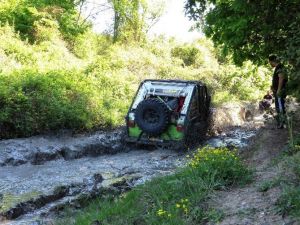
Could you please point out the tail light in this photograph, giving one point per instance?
(180, 128)
(130, 120)
(130, 123)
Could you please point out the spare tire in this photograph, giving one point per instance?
(152, 116)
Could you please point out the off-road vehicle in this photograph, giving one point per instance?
(168, 113)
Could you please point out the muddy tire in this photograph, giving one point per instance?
(152, 116)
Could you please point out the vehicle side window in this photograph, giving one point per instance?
(204, 94)
(194, 106)
(202, 100)
(200, 96)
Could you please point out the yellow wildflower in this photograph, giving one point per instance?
(161, 212)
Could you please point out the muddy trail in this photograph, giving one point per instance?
(249, 205)
(40, 176)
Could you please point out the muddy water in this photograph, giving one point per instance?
(28, 181)
(234, 138)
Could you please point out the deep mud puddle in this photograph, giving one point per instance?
(238, 138)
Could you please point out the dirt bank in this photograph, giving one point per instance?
(249, 205)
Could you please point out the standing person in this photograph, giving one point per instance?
(279, 83)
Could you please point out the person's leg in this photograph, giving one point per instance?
(277, 110)
(281, 106)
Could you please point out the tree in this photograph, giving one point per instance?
(252, 29)
(153, 11)
(90, 9)
(128, 19)
(134, 18)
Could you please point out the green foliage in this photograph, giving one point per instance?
(29, 17)
(251, 30)
(43, 56)
(14, 52)
(289, 202)
(174, 199)
(186, 54)
(227, 167)
(246, 81)
(89, 46)
(32, 102)
(113, 73)
(128, 20)
(267, 185)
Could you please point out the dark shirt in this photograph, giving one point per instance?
(275, 82)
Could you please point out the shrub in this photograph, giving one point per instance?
(33, 102)
(221, 165)
(24, 15)
(188, 54)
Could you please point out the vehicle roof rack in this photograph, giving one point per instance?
(174, 81)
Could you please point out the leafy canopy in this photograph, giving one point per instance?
(27, 15)
(252, 29)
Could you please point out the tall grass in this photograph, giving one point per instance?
(288, 202)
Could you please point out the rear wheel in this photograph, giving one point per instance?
(152, 116)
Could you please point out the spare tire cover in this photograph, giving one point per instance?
(152, 116)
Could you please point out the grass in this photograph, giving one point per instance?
(288, 203)
(175, 199)
(267, 185)
(9, 200)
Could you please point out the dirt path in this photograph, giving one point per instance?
(247, 205)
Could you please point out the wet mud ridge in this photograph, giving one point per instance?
(40, 149)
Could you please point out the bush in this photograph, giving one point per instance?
(33, 102)
(187, 54)
(24, 15)
(221, 165)
(48, 54)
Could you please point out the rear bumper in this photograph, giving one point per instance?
(155, 142)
